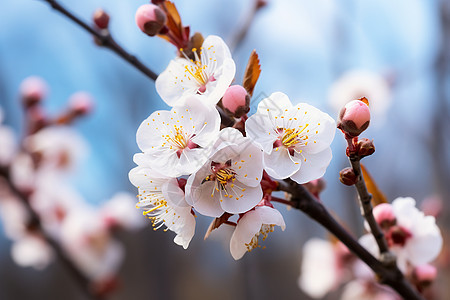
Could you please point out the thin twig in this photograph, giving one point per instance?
(388, 274)
(365, 199)
(35, 223)
(105, 39)
(242, 33)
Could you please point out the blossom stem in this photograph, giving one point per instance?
(388, 274)
(366, 203)
(35, 224)
(104, 39)
(279, 200)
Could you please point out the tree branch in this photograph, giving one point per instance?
(388, 274)
(366, 203)
(105, 39)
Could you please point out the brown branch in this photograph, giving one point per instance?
(35, 223)
(104, 39)
(366, 203)
(388, 274)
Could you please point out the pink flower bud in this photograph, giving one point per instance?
(150, 19)
(425, 273)
(81, 103)
(236, 100)
(33, 89)
(101, 19)
(354, 118)
(384, 215)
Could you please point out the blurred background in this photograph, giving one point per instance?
(314, 51)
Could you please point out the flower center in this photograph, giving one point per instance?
(289, 137)
(398, 235)
(178, 139)
(264, 232)
(224, 178)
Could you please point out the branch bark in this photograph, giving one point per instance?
(366, 204)
(105, 39)
(388, 274)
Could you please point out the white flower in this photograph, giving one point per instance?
(60, 147)
(319, 271)
(230, 179)
(414, 238)
(31, 251)
(251, 227)
(367, 290)
(164, 204)
(355, 84)
(89, 244)
(178, 141)
(295, 139)
(210, 74)
(53, 199)
(120, 211)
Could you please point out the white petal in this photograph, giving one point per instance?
(259, 129)
(198, 194)
(321, 127)
(241, 201)
(248, 165)
(274, 105)
(169, 85)
(426, 243)
(249, 225)
(313, 166)
(224, 76)
(280, 164)
(150, 133)
(369, 242)
(319, 273)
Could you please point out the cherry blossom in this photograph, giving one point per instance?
(229, 181)
(412, 236)
(120, 211)
(90, 245)
(179, 141)
(209, 75)
(253, 226)
(32, 251)
(60, 147)
(295, 139)
(163, 201)
(319, 270)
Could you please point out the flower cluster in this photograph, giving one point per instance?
(38, 203)
(413, 237)
(191, 163)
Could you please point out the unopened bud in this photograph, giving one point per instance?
(365, 147)
(425, 273)
(384, 215)
(33, 89)
(236, 101)
(101, 19)
(150, 19)
(81, 103)
(347, 176)
(354, 118)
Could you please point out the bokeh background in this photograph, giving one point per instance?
(304, 47)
